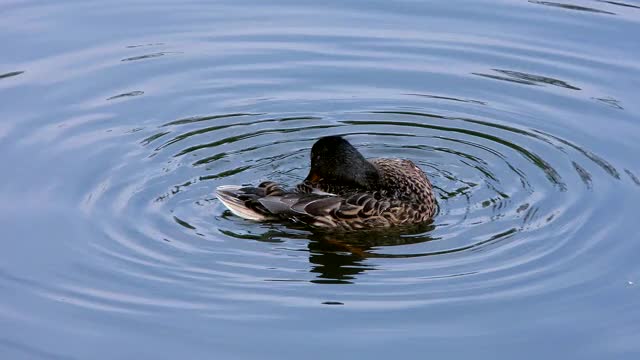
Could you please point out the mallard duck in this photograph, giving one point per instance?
(343, 191)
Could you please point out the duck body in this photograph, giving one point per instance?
(343, 191)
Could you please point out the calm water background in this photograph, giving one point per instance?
(119, 118)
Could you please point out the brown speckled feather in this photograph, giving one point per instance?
(404, 196)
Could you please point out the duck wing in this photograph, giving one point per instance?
(353, 211)
(269, 201)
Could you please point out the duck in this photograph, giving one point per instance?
(343, 191)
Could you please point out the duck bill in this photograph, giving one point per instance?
(313, 178)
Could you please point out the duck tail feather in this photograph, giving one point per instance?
(241, 201)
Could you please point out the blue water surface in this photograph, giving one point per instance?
(119, 118)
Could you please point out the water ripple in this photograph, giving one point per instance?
(10, 74)
(112, 147)
(571, 7)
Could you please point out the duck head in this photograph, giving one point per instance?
(335, 160)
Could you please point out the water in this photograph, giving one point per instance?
(120, 118)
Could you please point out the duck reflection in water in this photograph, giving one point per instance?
(337, 258)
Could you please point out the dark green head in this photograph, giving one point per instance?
(335, 160)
